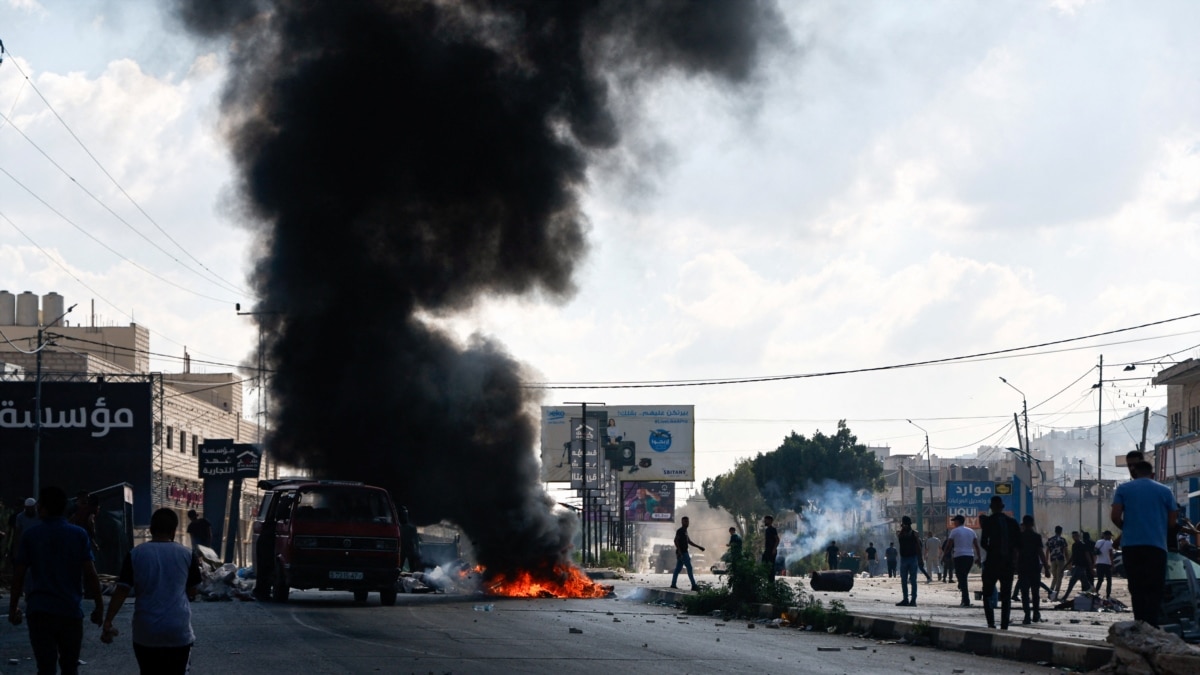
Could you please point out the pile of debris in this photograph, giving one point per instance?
(222, 580)
(1141, 648)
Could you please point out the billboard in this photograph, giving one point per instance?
(94, 434)
(649, 502)
(968, 498)
(642, 443)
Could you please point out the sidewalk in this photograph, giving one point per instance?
(1064, 638)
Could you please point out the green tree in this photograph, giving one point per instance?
(785, 476)
(737, 492)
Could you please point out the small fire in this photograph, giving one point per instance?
(562, 581)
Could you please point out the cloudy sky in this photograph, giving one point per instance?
(906, 182)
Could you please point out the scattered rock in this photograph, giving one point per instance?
(616, 620)
(829, 649)
(576, 631)
(1139, 647)
(749, 625)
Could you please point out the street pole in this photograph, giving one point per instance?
(928, 465)
(1028, 450)
(37, 408)
(588, 508)
(1081, 495)
(1099, 445)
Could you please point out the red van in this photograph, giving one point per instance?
(326, 534)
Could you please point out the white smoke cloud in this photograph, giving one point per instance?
(833, 512)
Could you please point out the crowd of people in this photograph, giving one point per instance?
(52, 553)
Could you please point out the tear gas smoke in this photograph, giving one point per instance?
(401, 159)
(833, 513)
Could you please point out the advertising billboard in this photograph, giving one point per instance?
(94, 434)
(969, 499)
(642, 443)
(649, 502)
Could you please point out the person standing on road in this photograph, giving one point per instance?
(933, 556)
(831, 555)
(965, 546)
(58, 557)
(770, 546)
(871, 558)
(1082, 561)
(910, 556)
(1002, 540)
(1144, 509)
(1104, 563)
(735, 544)
(199, 530)
(1031, 563)
(682, 557)
(164, 577)
(410, 542)
(891, 554)
(1056, 551)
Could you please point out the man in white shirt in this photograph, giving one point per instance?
(1104, 562)
(966, 555)
(933, 555)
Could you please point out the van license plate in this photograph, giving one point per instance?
(346, 575)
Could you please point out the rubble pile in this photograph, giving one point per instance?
(1139, 648)
(223, 581)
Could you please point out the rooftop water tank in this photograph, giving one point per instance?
(52, 308)
(27, 309)
(8, 308)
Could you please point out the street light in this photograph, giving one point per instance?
(1028, 450)
(928, 469)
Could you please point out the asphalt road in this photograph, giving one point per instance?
(325, 632)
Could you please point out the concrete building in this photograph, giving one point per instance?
(187, 407)
(1177, 459)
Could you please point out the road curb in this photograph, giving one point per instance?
(1081, 654)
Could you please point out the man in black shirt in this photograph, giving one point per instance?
(1081, 565)
(770, 545)
(682, 557)
(910, 555)
(1001, 539)
(871, 553)
(890, 555)
(831, 555)
(1030, 566)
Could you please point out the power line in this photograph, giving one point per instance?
(33, 85)
(106, 207)
(650, 384)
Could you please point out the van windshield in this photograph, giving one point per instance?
(343, 504)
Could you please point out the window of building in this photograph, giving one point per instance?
(1176, 424)
(1194, 418)
(170, 437)
(157, 433)
(183, 441)
(195, 445)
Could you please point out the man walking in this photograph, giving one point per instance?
(199, 529)
(965, 545)
(831, 555)
(910, 555)
(735, 544)
(1144, 509)
(1056, 551)
(164, 577)
(933, 556)
(682, 557)
(1002, 540)
(1081, 565)
(1031, 563)
(871, 558)
(58, 556)
(1104, 563)
(770, 546)
(891, 554)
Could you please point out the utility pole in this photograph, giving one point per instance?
(588, 509)
(37, 408)
(1099, 445)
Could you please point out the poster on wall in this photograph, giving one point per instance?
(649, 502)
(642, 443)
(969, 499)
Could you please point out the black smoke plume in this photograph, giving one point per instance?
(404, 159)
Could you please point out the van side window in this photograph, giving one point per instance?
(284, 510)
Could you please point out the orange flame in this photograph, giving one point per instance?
(562, 582)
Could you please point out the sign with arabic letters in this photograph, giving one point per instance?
(94, 434)
(222, 458)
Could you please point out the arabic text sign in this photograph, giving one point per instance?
(94, 434)
(968, 499)
(222, 458)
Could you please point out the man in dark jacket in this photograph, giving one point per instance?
(682, 557)
(1001, 539)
